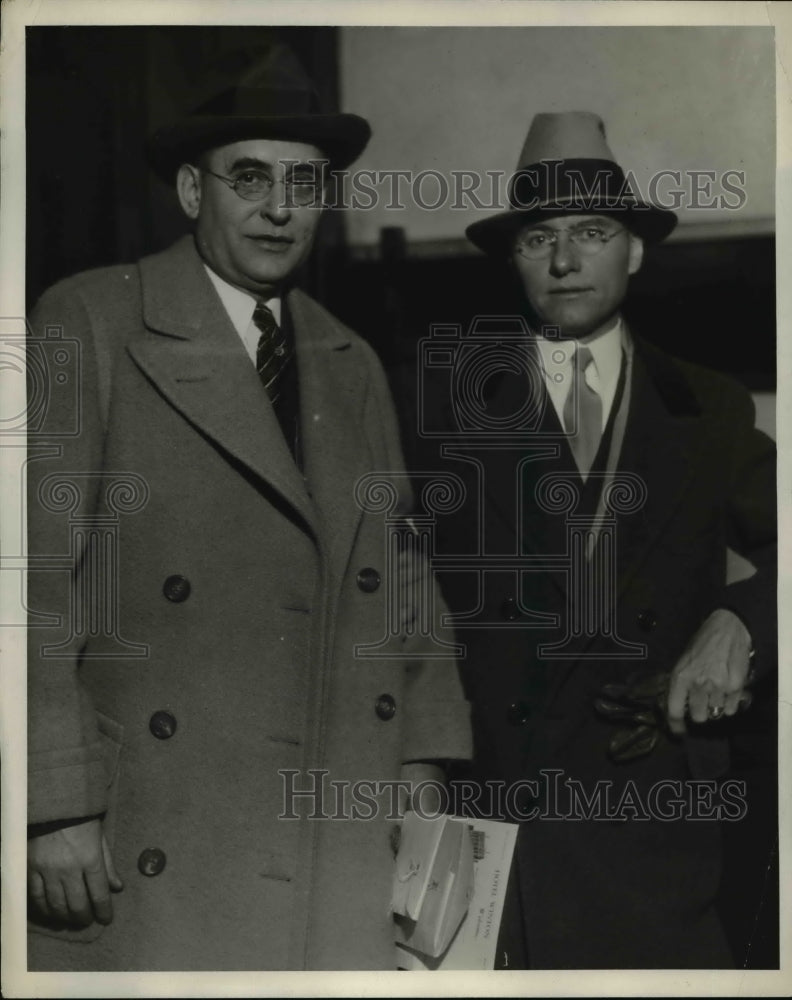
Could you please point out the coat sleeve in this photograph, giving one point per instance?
(753, 531)
(437, 723)
(68, 757)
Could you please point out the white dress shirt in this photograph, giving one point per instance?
(602, 374)
(240, 307)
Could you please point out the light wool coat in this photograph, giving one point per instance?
(256, 664)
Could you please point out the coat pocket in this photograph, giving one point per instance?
(111, 735)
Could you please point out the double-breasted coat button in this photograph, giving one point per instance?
(646, 620)
(518, 713)
(177, 588)
(509, 610)
(162, 725)
(368, 580)
(151, 861)
(385, 707)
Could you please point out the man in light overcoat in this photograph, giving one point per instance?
(199, 671)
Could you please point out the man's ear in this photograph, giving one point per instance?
(636, 254)
(188, 188)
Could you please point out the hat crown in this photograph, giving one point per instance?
(277, 67)
(263, 94)
(567, 166)
(273, 83)
(565, 135)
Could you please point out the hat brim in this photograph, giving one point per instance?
(341, 138)
(495, 235)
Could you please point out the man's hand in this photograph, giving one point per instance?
(711, 675)
(71, 873)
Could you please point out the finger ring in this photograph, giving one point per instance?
(715, 711)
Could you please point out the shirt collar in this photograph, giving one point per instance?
(240, 305)
(605, 351)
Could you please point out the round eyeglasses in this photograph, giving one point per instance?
(589, 240)
(255, 185)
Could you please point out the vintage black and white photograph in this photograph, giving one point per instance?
(391, 500)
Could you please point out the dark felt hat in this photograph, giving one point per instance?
(566, 166)
(272, 99)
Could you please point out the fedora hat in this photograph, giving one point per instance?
(565, 166)
(273, 98)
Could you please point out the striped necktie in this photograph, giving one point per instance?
(274, 353)
(583, 414)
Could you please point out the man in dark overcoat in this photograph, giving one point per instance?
(204, 678)
(607, 651)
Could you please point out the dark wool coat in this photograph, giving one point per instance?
(630, 891)
(228, 656)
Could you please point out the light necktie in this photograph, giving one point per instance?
(583, 414)
(273, 352)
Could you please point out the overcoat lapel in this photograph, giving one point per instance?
(195, 358)
(331, 421)
(663, 447)
(659, 446)
(513, 463)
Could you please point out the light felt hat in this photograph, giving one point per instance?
(565, 166)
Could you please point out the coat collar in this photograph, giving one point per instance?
(669, 382)
(662, 446)
(332, 397)
(192, 353)
(175, 289)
